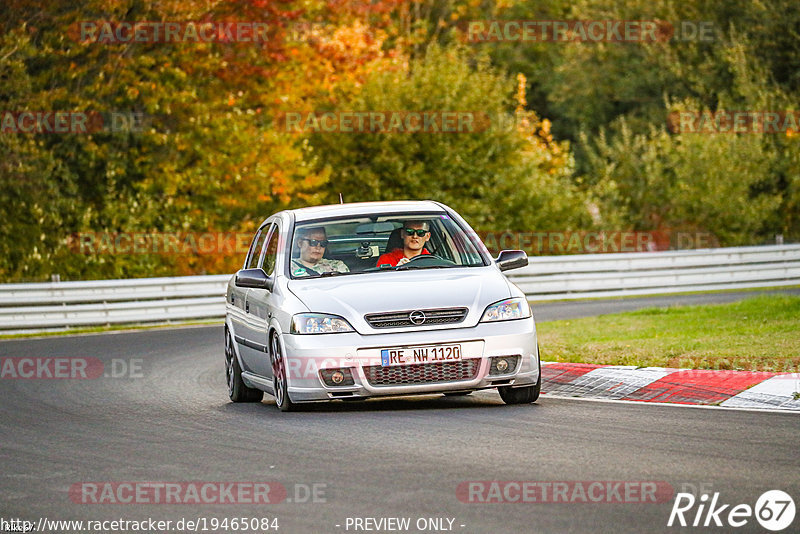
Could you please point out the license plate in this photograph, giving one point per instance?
(420, 354)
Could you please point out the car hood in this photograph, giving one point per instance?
(353, 296)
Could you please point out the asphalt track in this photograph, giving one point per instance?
(405, 457)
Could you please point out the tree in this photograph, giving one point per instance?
(208, 156)
(512, 175)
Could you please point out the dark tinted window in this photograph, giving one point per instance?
(272, 250)
(256, 246)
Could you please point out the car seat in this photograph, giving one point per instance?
(395, 240)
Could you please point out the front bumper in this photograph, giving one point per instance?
(306, 355)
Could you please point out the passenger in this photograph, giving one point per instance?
(415, 235)
(312, 243)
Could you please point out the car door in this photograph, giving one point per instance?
(262, 303)
(246, 325)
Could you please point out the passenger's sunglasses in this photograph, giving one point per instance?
(411, 231)
(316, 243)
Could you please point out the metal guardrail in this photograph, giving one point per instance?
(67, 305)
(647, 273)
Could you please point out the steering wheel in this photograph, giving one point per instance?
(426, 260)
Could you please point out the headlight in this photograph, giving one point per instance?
(506, 310)
(319, 323)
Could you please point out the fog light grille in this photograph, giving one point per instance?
(328, 377)
(512, 362)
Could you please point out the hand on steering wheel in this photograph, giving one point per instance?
(405, 260)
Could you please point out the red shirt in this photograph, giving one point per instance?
(394, 256)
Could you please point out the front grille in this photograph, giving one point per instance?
(402, 318)
(425, 373)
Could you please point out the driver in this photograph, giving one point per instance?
(312, 243)
(415, 235)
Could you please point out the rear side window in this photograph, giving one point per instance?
(271, 255)
(256, 246)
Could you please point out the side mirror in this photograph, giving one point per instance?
(511, 259)
(254, 278)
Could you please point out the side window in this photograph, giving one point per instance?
(271, 254)
(256, 246)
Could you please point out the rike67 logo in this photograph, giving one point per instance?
(774, 510)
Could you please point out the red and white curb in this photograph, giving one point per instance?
(737, 389)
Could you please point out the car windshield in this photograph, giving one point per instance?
(377, 243)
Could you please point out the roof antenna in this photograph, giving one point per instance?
(340, 199)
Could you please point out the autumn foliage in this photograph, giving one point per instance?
(190, 139)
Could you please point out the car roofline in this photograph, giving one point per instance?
(365, 208)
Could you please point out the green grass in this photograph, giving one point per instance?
(680, 294)
(759, 333)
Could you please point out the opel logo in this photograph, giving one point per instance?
(416, 317)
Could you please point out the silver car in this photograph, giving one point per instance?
(314, 316)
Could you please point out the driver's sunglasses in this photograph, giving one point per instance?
(316, 243)
(419, 231)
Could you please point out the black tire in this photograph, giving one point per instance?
(279, 383)
(237, 390)
(523, 395)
